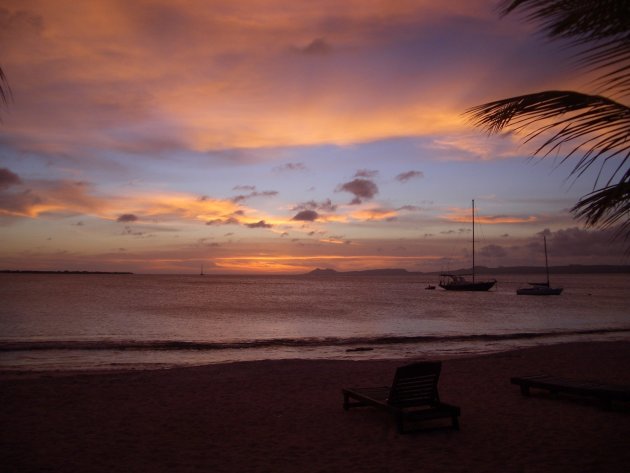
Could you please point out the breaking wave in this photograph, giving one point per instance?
(176, 345)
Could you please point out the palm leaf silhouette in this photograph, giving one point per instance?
(589, 129)
(5, 91)
(599, 28)
(595, 207)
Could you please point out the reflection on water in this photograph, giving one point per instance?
(128, 314)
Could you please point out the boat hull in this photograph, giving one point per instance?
(539, 291)
(540, 288)
(469, 286)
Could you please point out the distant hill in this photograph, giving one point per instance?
(568, 269)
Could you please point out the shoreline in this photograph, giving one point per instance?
(286, 416)
(115, 356)
(102, 358)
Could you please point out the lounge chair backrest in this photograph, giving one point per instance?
(415, 384)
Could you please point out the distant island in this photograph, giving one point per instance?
(568, 269)
(29, 271)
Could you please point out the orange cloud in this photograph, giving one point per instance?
(334, 240)
(464, 216)
(67, 197)
(37, 198)
(260, 266)
(477, 146)
(300, 264)
(214, 75)
(182, 206)
(374, 214)
(497, 219)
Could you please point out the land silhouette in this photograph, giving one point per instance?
(566, 269)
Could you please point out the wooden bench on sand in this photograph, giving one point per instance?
(412, 397)
(603, 393)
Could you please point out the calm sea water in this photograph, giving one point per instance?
(128, 321)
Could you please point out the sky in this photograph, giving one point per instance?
(277, 136)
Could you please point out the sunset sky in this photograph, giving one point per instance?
(276, 136)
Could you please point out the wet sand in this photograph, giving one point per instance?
(287, 416)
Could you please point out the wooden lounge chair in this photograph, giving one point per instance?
(603, 393)
(413, 396)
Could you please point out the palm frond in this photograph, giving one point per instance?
(5, 90)
(607, 207)
(594, 129)
(600, 27)
(587, 128)
(593, 19)
(595, 126)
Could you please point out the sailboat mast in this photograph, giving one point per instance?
(473, 241)
(546, 262)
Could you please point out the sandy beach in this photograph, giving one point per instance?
(287, 416)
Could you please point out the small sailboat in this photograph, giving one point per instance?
(540, 288)
(457, 282)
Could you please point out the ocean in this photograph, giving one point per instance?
(116, 321)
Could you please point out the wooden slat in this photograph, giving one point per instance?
(413, 396)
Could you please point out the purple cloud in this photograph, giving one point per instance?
(223, 221)
(326, 206)
(493, 251)
(316, 47)
(19, 202)
(367, 173)
(410, 208)
(405, 176)
(290, 167)
(8, 178)
(306, 216)
(127, 218)
(241, 198)
(588, 243)
(361, 188)
(259, 224)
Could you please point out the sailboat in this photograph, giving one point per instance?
(457, 282)
(540, 288)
